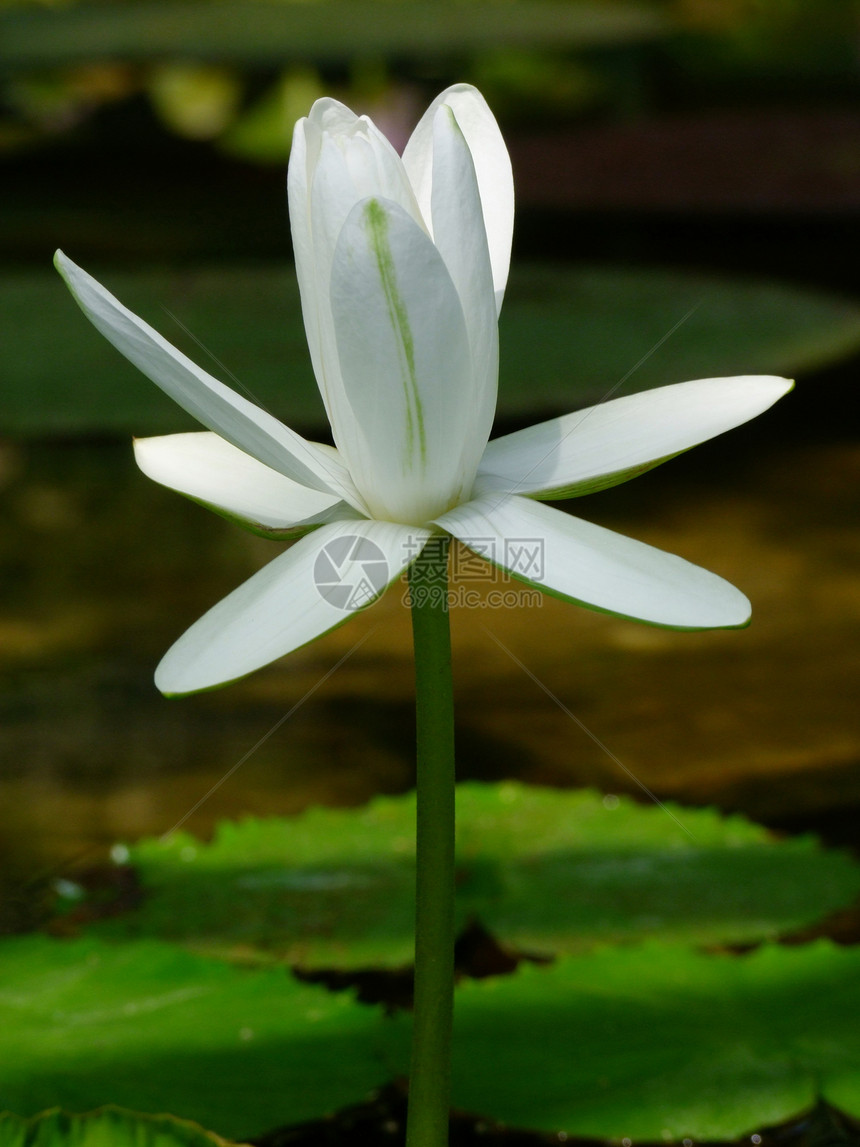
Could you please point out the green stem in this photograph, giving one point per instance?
(429, 1085)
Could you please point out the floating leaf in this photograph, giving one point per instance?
(108, 1127)
(571, 335)
(645, 1042)
(661, 1043)
(153, 1028)
(547, 871)
(568, 337)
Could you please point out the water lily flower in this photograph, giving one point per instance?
(402, 265)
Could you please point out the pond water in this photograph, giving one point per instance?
(103, 569)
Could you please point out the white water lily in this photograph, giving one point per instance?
(402, 266)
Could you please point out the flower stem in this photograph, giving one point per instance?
(429, 1086)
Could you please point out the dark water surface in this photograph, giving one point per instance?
(102, 570)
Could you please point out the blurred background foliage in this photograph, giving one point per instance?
(238, 75)
(704, 154)
(719, 134)
(232, 78)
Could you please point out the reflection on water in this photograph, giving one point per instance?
(102, 570)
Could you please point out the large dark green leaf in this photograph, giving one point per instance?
(107, 1127)
(548, 871)
(153, 1028)
(646, 1042)
(271, 33)
(569, 336)
(655, 1042)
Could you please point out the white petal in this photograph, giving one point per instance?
(406, 365)
(595, 567)
(603, 445)
(317, 585)
(371, 165)
(337, 159)
(492, 164)
(212, 471)
(210, 401)
(459, 235)
(304, 153)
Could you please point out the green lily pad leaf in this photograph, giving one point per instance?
(568, 337)
(154, 1028)
(571, 336)
(108, 1127)
(547, 871)
(266, 33)
(658, 1042)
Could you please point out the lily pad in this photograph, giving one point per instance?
(108, 1127)
(568, 337)
(154, 1028)
(645, 1042)
(571, 335)
(661, 1043)
(550, 872)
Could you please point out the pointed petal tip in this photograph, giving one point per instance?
(763, 389)
(64, 264)
(776, 383)
(171, 686)
(169, 694)
(163, 684)
(738, 609)
(68, 268)
(175, 679)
